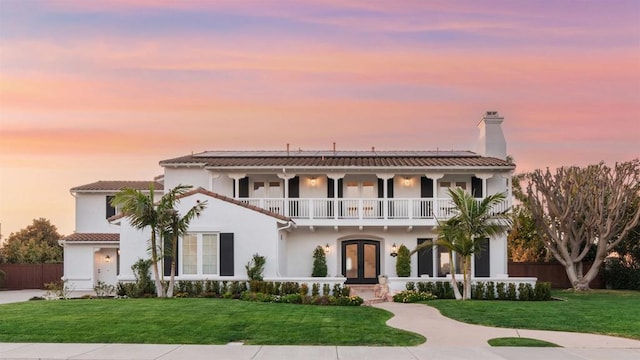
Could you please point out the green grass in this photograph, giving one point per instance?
(522, 342)
(604, 312)
(197, 321)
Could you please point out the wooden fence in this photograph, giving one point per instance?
(30, 276)
(553, 273)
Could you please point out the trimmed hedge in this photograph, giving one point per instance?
(487, 290)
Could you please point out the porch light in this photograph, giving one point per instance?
(107, 259)
(407, 181)
(394, 250)
(326, 249)
(313, 181)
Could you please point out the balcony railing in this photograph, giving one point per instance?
(361, 208)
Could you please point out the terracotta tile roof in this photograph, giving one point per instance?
(117, 186)
(97, 237)
(324, 159)
(235, 202)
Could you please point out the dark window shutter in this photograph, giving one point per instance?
(482, 260)
(340, 187)
(294, 187)
(168, 255)
(425, 259)
(390, 188)
(110, 209)
(476, 187)
(244, 188)
(226, 254)
(426, 187)
(380, 188)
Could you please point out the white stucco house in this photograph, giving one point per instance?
(358, 205)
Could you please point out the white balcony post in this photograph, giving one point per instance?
(311, 204)
(385, 193)
(212, 178)
(484, 177)
(435, 177)
(508, 184)
(236, 180)
(285, 177)
(335, 178)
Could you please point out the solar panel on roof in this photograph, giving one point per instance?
(329, 153)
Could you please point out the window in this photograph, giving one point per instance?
(199, 254)
(259, 189)
(461, 184)
(111, 210)
(190, 254)
(444, 264)
(364, 189)
(274, 189)
(267, 189)
(209, 254)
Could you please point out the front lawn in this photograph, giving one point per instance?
(197, 321)
(604, 312)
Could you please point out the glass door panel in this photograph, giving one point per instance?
(360, 261)
(370, 261)
(351, 261)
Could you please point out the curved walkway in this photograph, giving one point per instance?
(442, 331)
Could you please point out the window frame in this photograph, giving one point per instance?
(200, 254)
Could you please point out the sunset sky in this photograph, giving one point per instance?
(103, 90)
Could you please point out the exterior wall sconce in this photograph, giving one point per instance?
(107, 259)
(407, 181)
(313, 181)
(326, 249)
(394, 250)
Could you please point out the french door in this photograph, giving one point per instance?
(361, 261)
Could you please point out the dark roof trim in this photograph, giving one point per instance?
(117, 185)
(92, 237)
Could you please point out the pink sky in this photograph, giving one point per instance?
(104, 90)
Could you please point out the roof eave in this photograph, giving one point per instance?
(368, 168)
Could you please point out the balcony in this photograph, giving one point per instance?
(361, 211)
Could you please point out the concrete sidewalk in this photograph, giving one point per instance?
(239, 352)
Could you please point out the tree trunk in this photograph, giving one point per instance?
(174, 254)
(467, 277)
(578, 281)
(154, 259)
(454, 283)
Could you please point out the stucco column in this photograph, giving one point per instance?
(236, 181)
(435, 177)
(335, 177)
(213, 176)
(285, 177)
(385, 193)
(484, 177)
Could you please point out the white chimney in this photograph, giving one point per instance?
(491, 142)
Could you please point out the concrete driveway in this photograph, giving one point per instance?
(12, 296)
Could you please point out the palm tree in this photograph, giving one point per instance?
(143, 212)
(175, 226)
(450, 238)
(474, 220)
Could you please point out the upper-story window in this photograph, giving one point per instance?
(267, 189)
(446, 185)
(111, 210)
(360, 189)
